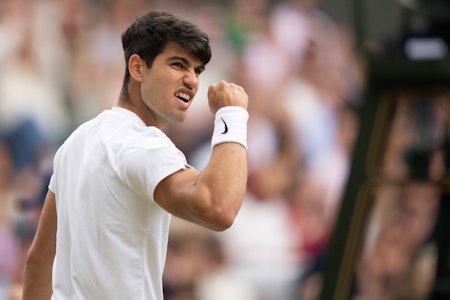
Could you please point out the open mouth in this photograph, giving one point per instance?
(183, 97)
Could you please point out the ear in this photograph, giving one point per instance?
(136, 67)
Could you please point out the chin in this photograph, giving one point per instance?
(179, 118)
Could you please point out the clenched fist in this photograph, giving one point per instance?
(226, 94)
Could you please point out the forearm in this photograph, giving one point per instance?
(225, 176)
(39, 263)
(225, 179)
(37, 280)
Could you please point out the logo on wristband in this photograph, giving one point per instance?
(226, 127)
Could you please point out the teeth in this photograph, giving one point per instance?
(184, 96)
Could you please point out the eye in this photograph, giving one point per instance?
(178, 65)
(199, 70)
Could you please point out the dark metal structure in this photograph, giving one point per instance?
(417, 63)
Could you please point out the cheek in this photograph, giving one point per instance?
(154, 96)
(158, 88)
(154, 88)
(149, 90)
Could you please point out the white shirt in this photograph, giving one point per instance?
(111, 236)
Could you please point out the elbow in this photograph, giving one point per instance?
(223, 223)
(216, 219)
(222, 218)
(220, 211)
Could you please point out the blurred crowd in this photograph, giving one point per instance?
(61, 63)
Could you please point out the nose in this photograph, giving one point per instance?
(191, 79)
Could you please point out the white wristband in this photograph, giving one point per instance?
(230, 126)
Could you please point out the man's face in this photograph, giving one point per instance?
(169, 86)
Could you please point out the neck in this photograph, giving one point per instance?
(136, 105)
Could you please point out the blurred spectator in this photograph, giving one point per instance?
(399, 262)
(26, 88)
(23, 153)
(399, 256)
(8, 243)
(196, 267)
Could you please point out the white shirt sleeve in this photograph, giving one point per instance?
(142, 168)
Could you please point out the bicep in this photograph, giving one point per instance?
(211, 198)
(176, 193)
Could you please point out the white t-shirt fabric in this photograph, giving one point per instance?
(111, 234)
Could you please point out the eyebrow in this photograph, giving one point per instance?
(200, 67)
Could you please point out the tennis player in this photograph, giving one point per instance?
(118, 179)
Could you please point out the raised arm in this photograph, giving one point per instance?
(39, 263)
(213, 197)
